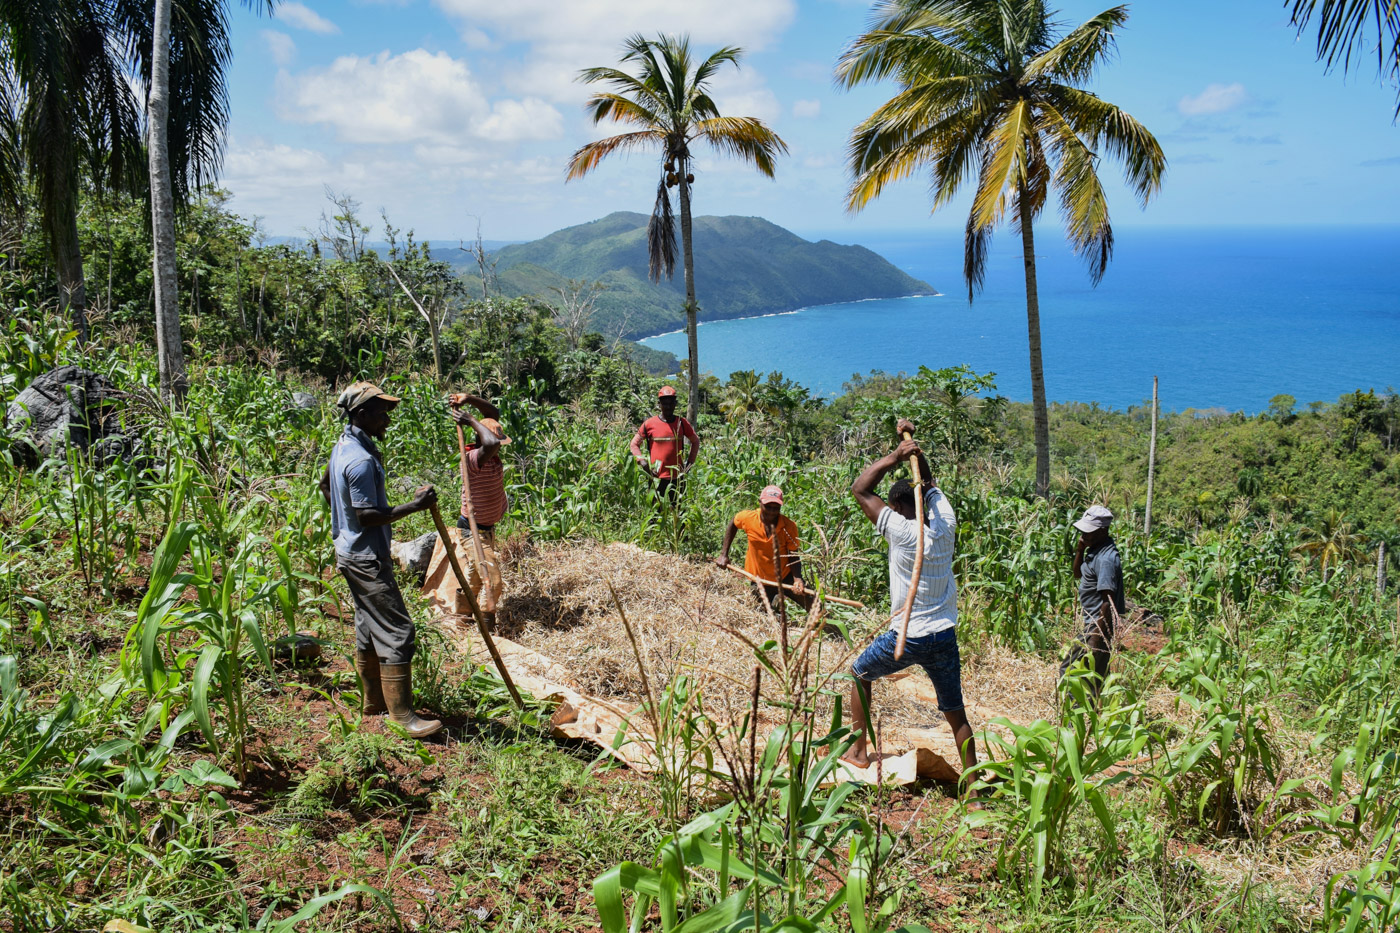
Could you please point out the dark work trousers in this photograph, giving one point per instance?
(1096, 640)
(670, 490)
(382, 623)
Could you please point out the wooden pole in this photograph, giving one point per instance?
(787, 586)
(1151, 462)
(918, 555)
(476, 610)
(478, 555)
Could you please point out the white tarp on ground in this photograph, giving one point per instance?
(912, 754)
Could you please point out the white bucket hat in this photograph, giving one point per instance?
(1095, 517)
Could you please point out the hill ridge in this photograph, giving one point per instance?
(744, 266)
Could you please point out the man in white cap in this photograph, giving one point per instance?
(361, 517)
(1100, 574)
(774, 551)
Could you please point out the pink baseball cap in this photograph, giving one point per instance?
(665, 391)
(771, 494)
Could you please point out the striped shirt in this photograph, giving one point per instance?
(488, 482)
(936, 602)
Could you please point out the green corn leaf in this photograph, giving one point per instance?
(857, 885)
(249, 621)
(718, 917)
(314, 906)
(199, 692)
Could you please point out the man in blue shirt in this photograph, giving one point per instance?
(360, 524)
(1100, 574)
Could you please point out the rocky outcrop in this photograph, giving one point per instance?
(70, 406)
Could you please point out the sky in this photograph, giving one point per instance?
(459, 116)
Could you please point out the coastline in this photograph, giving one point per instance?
(749, 317)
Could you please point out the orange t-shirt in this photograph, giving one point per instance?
(759, 559)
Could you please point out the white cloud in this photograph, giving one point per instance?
(280, 46)
(591, 23)
(1216, 98)
(807, 108)
(303, 17)
(515, 120)
(418, 96)
(564, 38)
(744, 93)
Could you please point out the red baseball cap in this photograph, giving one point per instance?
(771, 494)
(665, 391)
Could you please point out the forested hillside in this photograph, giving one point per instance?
(743, 265)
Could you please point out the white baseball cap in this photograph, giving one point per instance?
(1095, 517)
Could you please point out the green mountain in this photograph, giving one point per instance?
(743, 266)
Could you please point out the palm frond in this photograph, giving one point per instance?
(977, 243)
(1343, 25)
(729, 55)
(911, 38)
(609, 106)
(661, 235)
(1083, 202)
(1074, 58)
(586, 158)
(748, 138)
(1004, 164)
(1124, 138)
(915, 126)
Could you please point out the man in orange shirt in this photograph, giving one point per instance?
(665, 435)
(774, 552)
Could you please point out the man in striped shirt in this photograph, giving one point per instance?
(488, 501)
(932, 637)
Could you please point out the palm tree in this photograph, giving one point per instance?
(1330, 540)
(987, 90)
(201, 104)
(65, 101)
(668, 101)
(68, 110)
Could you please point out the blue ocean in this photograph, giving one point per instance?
(1225, 317)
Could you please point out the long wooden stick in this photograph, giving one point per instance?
(1151, 463)
(476, 610)
(918, 555)
(478, 555)
(788, 586)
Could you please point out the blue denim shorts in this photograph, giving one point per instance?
(937, 654)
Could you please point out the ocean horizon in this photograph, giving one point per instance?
(1226, 317)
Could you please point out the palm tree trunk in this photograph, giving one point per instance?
(692, 403)
(169, 347)
(69, 262)
(1042, 418)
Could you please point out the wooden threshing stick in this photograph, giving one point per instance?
(918, 555)
(476, 610)
(788, 586)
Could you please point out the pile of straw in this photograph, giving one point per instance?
(693, 618)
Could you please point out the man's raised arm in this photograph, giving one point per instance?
(864, 486)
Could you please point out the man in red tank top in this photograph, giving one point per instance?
(665, 435)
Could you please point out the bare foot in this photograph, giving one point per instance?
(861, 761)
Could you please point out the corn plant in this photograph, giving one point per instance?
(1230, 746)
(232, 589)
(1049, 772)
(771, 859)
(1364, 898)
